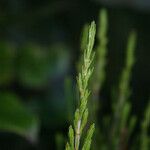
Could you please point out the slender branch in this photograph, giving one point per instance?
(81, 113)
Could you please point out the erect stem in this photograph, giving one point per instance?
(77, 136)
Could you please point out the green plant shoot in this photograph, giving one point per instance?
(81, 114)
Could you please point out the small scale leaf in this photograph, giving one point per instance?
(84, 119)
(71, 137)
(77, 116)
(88, 139)
(68, 146)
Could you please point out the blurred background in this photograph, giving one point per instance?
(39, 50)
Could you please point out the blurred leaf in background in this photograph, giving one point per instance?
(33, 65)
(16, 118)
(37, 65)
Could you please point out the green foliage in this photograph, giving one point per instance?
(118, 126)
(123, 108)
(101, 51)
(123, 123)
(14, 117)
(99, 73)
(81, 113)
(124, 88)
